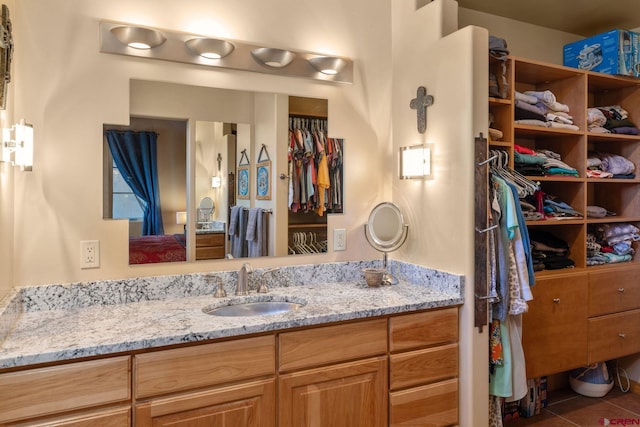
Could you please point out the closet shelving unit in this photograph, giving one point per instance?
(307, 222)
(583, 314)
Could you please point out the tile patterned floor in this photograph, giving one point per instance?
(568, 409)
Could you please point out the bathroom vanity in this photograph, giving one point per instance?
(352, 355)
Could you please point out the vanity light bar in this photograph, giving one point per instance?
(116, 38)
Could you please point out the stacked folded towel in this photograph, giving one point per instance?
(541, 108)
(610, 119)
(549, 251)
(541, 162)
(611, 243)
(542, 205)
(607, 165)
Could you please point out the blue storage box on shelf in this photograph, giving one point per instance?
(613, 52)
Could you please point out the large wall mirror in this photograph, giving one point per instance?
(243, 152)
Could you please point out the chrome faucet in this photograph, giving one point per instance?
(242, 287)
(262, 287)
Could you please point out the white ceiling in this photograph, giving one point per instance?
(583, 17)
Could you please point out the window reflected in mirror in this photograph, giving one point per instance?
(145, 183)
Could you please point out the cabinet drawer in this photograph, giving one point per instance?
(429, 405)
(210, 239)
(186, 368)
(613, 336)
(112, 417)
(423, 366)
(301, 349)
(210, 253)
(554, 331)
(613, 291)
(423, 329)
(47, 391)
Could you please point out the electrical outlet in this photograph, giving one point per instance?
(339, 239)
(89, 254)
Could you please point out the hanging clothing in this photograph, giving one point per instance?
(323, 183)
(315, 167)
(514, 276)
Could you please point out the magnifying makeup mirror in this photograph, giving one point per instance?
(205, 212)
(386, 231)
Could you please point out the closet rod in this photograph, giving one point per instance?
(305, 116)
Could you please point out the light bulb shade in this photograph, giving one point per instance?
(210, 48)
(328, 64)
(273, 58)
(138, 37)
(415, 162)
(181, 217)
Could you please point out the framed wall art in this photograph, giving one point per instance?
(243, 176)
(263, 175)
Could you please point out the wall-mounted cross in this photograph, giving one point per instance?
(420, 104)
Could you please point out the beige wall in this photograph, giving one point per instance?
(452, 66)
(7, 197)
(60, 202)
(6, 227)
(524, 40)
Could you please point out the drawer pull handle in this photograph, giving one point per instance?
(622, 335)
(621, 290)
(556, 300)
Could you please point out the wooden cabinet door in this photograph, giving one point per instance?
(346, 395)
(247, 405)
(554, 331)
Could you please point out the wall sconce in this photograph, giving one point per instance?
(415, 162)
(216, 182)
(328, 64)
(210, 48)
(117, 37)
(138, 37)
(18, 140)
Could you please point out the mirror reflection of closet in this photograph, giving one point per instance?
(310, 158)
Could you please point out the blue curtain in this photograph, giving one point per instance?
(135, 156)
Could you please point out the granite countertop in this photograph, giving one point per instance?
(137, 319)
